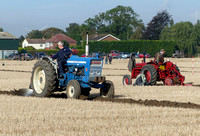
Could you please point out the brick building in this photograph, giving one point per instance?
(53, 42)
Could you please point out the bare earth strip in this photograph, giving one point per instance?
(151, 110)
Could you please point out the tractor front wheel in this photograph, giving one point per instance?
(73, 89)
(127, 80)
(108, 90)
(150, 73)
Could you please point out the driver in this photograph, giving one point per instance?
(62, 55)
(159, 57)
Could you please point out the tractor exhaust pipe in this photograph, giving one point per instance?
(87, 46)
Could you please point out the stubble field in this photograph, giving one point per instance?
(151, 110)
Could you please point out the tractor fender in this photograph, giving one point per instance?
(53, 63)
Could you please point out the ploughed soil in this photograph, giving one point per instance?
(146, 102)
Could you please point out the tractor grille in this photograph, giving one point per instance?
(95, 68)
(96, 63)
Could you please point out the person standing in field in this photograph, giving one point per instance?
(110, 58)
(106, 58)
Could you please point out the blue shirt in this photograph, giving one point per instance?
(62, 54)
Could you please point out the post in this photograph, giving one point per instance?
(87, 46)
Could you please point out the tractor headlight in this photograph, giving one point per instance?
(76, 69)
(92, 72)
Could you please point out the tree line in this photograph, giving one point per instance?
(124, 23)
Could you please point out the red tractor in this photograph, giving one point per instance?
(166, 72)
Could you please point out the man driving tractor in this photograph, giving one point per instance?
(62, 55)
(159, 57)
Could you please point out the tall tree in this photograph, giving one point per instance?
(84, 29)
(35, 34)
(138, 33)
(185, 35)
(21, 39)
(120, 21)
(74, 31)
(155, 26)
(49, 32)
(1, 29)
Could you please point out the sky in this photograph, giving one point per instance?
(19, 17)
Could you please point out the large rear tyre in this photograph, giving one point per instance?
(127, 80)
(73, 89)
(43, 79)
(108, 91)
(150, 73)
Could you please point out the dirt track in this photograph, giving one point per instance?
(146, 102)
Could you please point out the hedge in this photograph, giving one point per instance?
(149, 46)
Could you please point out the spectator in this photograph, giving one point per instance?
(110, 58)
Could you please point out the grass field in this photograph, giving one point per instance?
(151, 110)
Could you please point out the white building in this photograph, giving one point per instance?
(35, 43)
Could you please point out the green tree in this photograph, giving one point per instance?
(120, 21)
(49, 32)
(185, 35)
(1, 29)
(138, 33)
(21, 39)
(155, 26)
(84, 29)
(197, 31)
(35, 34)
(74, 31)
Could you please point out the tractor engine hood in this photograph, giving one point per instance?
(77, 61)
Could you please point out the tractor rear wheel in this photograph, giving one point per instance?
(150, 73)
(108, 90)
(127, 80)
(43, 80)
(73, 89)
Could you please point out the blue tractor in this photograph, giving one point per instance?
(81, 75)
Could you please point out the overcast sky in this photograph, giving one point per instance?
(19, 17)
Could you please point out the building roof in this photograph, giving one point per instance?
(100, 37)
(6, 35)
(61, 37)
(36, 41)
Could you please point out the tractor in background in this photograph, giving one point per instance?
(82, 75)
(166, 72)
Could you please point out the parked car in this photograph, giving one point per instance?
(136, 55)
(124, 55)
(83, 55)
(178, 54)
(13, 56)
(146, 56)
(115, 53)
(39, 55)
(29, 56)
(74, 51)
